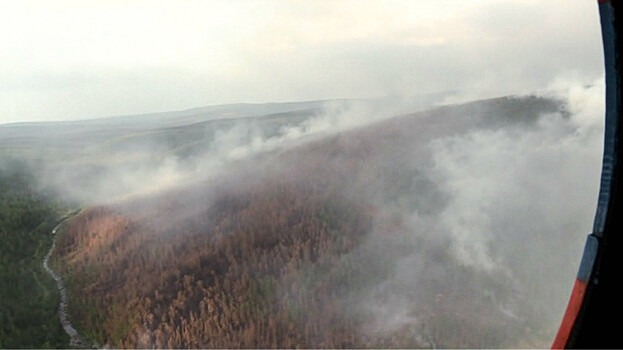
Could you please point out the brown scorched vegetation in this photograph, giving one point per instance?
(279, 255)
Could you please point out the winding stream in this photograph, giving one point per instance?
(74, 337)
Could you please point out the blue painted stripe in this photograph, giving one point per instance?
(606, 14)
(588, 258)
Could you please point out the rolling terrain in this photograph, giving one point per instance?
(284, 232)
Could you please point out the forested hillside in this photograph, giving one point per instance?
(28, 296)
(327, 244)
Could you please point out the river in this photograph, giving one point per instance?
(74, 338)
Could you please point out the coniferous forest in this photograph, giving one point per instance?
(28, 298)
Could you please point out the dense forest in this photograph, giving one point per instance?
(28, 296)
(313, 246)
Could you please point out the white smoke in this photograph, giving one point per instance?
(520, 203)
(143, 167)
(527, 182)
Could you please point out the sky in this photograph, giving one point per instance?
(67, 60)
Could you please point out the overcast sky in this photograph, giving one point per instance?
(64, 60)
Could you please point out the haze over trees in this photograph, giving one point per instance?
(303, 228)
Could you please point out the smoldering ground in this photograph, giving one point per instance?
(493, 263)
(479, 211)
(479, 218)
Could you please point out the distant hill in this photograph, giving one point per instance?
(31, 139)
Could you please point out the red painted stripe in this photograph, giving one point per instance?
(573, 308)
(602, 1)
